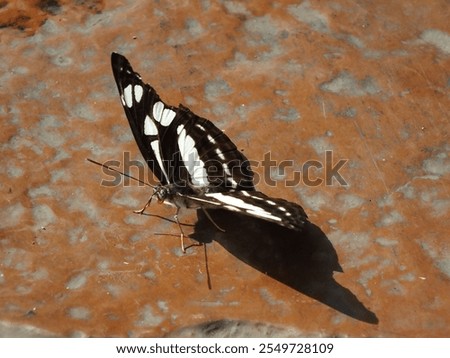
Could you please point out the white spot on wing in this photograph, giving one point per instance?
(241, 204)
(158, 108)
(230, 177)
(231, 208)
(220, 154)
(199, 126)
(138, 91)
(163, 115)
(167, 117)
(150, 127)
(211, 139)
(155, 146)
(233, 182)
(191, 159)
(128, 96)
(257, 197)
(180, 128)
(226, 169)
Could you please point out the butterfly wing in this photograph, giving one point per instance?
(257, 205)
(179, 146)
(137, 98)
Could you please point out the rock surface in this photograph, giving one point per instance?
(309, 84)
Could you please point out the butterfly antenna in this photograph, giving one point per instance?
(120, 172)
(141, 211)
(211, 219)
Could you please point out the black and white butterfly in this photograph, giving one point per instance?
(197, 165)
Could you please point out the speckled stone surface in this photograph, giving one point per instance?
(368, 81)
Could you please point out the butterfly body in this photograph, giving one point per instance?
(197, 165)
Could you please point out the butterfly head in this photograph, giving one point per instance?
(161, 193)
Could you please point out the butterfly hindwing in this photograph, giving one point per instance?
(201, 142)
(257, 205)
(179, 146)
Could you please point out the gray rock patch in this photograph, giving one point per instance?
(437, 38)
(77, 281)
(80, 313)
(346, 85)
(308, 15)
(147, 318)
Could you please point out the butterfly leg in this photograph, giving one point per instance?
(208, 277)
(141, 211)
(181, 231)
(183, 247)
(212, 221)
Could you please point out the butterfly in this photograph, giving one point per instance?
(197, 165)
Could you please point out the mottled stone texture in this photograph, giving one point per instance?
(306, 82)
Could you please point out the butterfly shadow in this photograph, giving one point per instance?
(304, 261)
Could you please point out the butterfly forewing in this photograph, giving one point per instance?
(179, 146)
(131, 88)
